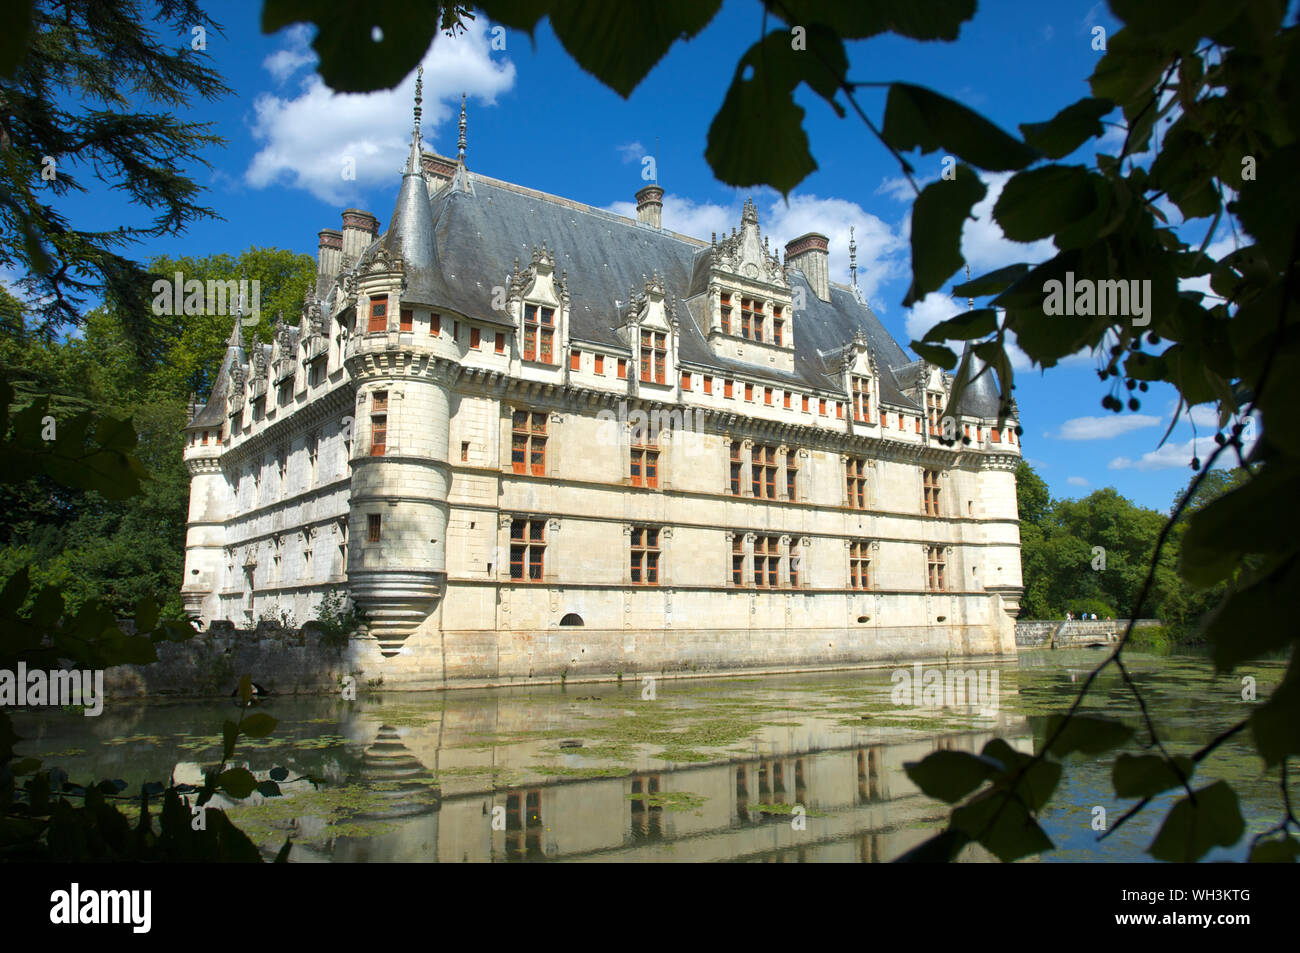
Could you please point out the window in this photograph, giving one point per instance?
(934, 563)
(622, 368)
(796, 563)
(861, 399)
(996, 434)
(859, 565)
(645, 457)
(575, 360)
(751, 319)
(599, 361)
(527, 549)
(785, 400)
(464, 451)
(767, 395)
(645, 555)
(762, 465)
(474, 338)
(378, 315)
(856, 470)
(379, 423)
(749, 392)
(653, 355)
(778, 327)
(930, 492)
(528, 443)
(373, 527)
(708, 384)
(791, 474)
(686, 380)
(821, 406)
(735, 468)
(839, 409)
(727, 386)
(884, 419)
(539, 333)
(407, 318)
(934, 410)
(737, 559)
(455, 331)
(500, 343)
(435, 324)
(805, 403)
(767, 561)
(726, 314)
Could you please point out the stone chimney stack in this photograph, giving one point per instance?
(360, 228)
(650, 206)
(811, 254)
(329, 252)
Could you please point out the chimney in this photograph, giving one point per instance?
(438, 171)
(650, 206)
(329, 251)
(360, 228)
(810, 254)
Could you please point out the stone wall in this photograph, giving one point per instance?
(1038, 634)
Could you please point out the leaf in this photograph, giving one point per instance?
(762, 94)
(939, 849)
(279, 774)
(935, 354)
(257, 725)
(1243, 520)
(1086, 734)
(350, 59)
(1147, 775)
(268, 789)
(15, 23)
(1247, 623)
(237, 782)
(1065, 201)
(1275, 725)
(1282, 851)
(230, 735)
(283, 856)
(854, 20)
(619, 43)
(937, 217)
(965, 326)
(991, 283)
(1068, 129)
(916, 117)
(1192, 828)
(245, 688)
(1003, 825)
(948, 775)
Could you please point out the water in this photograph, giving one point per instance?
(789, 768)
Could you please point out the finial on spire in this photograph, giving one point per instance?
(970, 302)
(419, 97)
(853, 257)
(460, 143)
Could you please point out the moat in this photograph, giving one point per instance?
(783, 768)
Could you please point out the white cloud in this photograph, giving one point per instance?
(306, 138)
(900, 189)
(1170, 456)
(1104, 428)
(982, 243)
(882, 252)
(296, 53)
(630, 151)
(1076, 481)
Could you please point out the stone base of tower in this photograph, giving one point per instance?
(395, 603)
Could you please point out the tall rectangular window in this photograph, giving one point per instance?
(727, 388)
(539, 334)
(778, 327)
(654, 353)
(474, 338)
(767, 561)
(738, 559)
(751, 319)
(934, 564)
(435, 324)
(861, 399)
(934, 411)
(500, 343)
(735, 468)
(686, 380)
(859, 564)
(645, 457)
(930, 492)
(407, 318)
(796, 563)
(805, 403)
(373, 527)
(528, 443)
(856, 470)
(726, 314)
(622, 368)
(749, 392)
(379, 423)
(821, 406)
(527, 548)
(767, 395)
(378, 315)
(575, 360)
(762, 465)
(791, 474)
(645, 555)
(599, 363)
(708, 384)
(785, 400)
(839, 409)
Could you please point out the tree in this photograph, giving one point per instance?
(1219, 80)
(73, 74)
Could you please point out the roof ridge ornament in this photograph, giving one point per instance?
(460, 141)
(853, 258)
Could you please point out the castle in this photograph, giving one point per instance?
(530, 438)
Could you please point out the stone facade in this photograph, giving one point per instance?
(638, 452)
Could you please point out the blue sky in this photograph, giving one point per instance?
(536, 119)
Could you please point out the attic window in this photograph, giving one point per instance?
(861, 399)
(539, 333)
(407, 319)
(778, 327)
(378, 316)
(726, 314)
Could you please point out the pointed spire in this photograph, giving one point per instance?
(460, 142)
(236, 339)
(853, 257)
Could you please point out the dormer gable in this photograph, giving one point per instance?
(538, 303)
(650, 330)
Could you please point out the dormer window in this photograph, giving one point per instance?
(861, 399)
(539, 333)
(726, 313)
(934, 410)
(654, 351)
(747, 317)
(778, 327)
